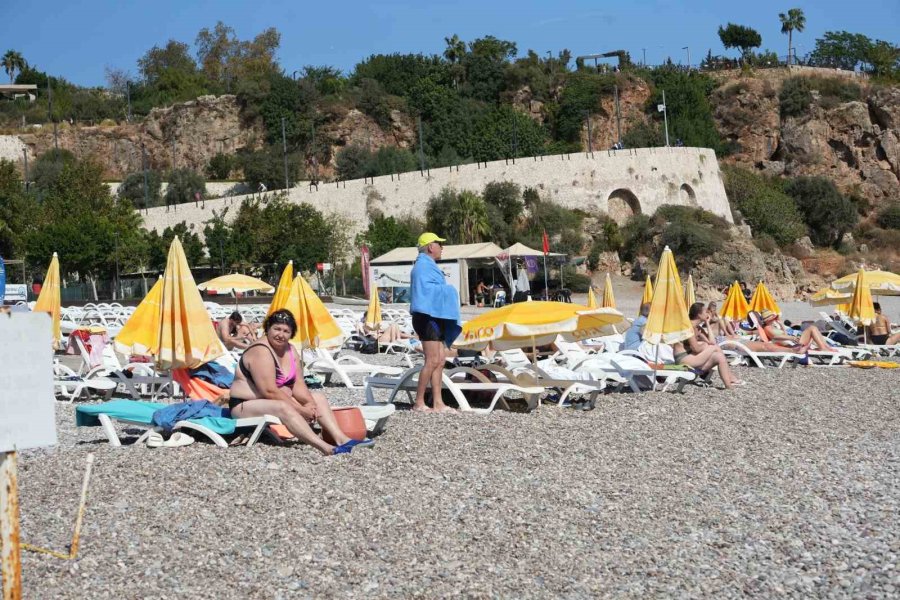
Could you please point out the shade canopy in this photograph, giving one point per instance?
(283, 290)
(450, 252)
(763, 300)
(315, 325)
(609, 300)
(187, 338)
(668, 321)
(140, 334)
(50, 299)
(528, 324)
(521, 250)
(735, 306)
(236, 282)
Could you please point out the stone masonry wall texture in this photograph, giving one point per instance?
(618, 183)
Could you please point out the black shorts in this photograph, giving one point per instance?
(428, 328)
(879, 340)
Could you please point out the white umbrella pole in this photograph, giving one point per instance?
(546, 284)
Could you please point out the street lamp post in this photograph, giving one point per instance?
(287, 184)
(25, 156)
(587, 117)
(688, 56)
(117, 293)
(128, 97)
(644, 59)
(665, 111)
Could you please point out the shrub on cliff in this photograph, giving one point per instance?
(132, 188)
(767, 209)
(691, 233)
(827, 213)
(889, 217)
(795, 97)
(220, 166)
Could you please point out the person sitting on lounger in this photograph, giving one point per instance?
(703, 356)
(385, 332)
(703, 328)
(719, 325)
(230, 334)
(269, 381)
(880, 330)
(779, 335)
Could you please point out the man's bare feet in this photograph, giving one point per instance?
(422, 409)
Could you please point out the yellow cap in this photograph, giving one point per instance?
(428, 237)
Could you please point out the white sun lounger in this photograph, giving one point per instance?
(344, 366)
(746, 356)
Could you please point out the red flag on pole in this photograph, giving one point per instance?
(546, 241)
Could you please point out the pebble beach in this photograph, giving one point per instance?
(785, 487)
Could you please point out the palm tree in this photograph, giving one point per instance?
(793, 20)
(12, 62)
(456, 49)
(470, 216)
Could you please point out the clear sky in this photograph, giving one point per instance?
(77, 39)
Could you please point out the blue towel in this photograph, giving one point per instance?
(189, 411)
(433, 296)
(214, 373)
(142, 412)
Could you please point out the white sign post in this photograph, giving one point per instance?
(27, 420)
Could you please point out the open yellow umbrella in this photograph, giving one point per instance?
(373, 314)
(689, 297)
(140, 334)
(763, 300)
(647, 298)
(735, 306)
(315, 325)
(187, 338)
(828, 296)
(668, 320)
(861, 308)
(235, 282)
(284, 288)
(609, 301)
(592, 299)
(529, 324)
(50, 299)
(880, 283)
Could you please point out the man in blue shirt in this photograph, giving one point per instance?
(434, 306)
(635, 334)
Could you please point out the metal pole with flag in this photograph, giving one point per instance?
(546, 242)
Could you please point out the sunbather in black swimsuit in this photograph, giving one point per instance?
(280, 379)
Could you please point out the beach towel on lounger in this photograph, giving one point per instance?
(141, 412)
(166, 417)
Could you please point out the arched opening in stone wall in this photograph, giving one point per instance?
(622, 203)
(687, 195)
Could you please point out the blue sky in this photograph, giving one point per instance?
(77, 39)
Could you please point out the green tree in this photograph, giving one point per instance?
(581, 96)
(353, 162)
(47, 168)
(460, 216)
(158, 245)
(505, 132)
(794, 20)
(222, 246)
(643, 134)
(689, 110)
(840, 50)
(390, 159)
(740, 36)
(827, 213)
(399, 73)
(12, 61)
(277, 231)
(447, 119)
(132, 189)
(220, 166)
(507, 197)
(386, 233)
(185, 185)
(266, 166)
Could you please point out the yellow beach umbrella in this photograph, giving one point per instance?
(689, 297)
(529, 324)
(315, 325)
(647, 298)
(373, 314)
(284, 288)
(735, 306)
(50, 299)
(668, 320)
(187, 338)
(236, 282)
(861, 308)
(828, 296)
(592, 299)
(762, 300)
(609, 300)
(140, 334)
(880, 283)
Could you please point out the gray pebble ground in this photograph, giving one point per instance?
(785, 487)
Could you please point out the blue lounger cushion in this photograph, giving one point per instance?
(138, 411)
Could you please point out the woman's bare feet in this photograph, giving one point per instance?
(422, 409)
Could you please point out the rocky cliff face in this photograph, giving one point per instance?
(186, 135)
(856, 144)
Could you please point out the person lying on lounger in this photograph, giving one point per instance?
(385, 332)
(779, 335)
(269, 381)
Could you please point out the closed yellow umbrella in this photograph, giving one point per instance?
(689, 297)
(861, 308)
(284, 288)
(140, 334)
(647, 298)
(528, 324)
(762, 300)
(668, 320)
(592, 299)
(187, 338)
(609, 300)
(735, 306)
(50, 299)
(373, 314)
(315, 325)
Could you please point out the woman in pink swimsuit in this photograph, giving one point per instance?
(269, 381)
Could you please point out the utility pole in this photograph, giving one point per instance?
(128, 97)
(146, 185)
(314, 159)
(644, 59)
(287, 183)
(173, 152)
(421, 147)
(618, 117)
(665, 112)
(117, 294)
(222, 256)
(50, 116)
(587, 118)
(688, 56)
(515, 136)
(25, 156)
